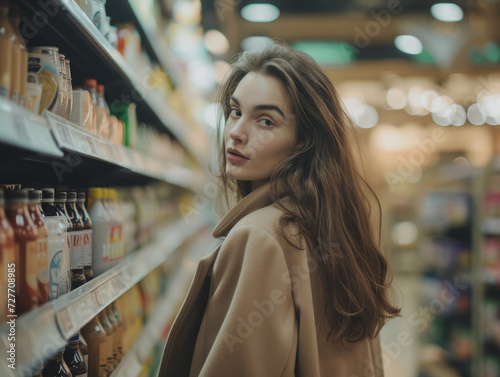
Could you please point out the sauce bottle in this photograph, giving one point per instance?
(103, 114)
(97, 346)
(78, 241)
(110, 197)
(74, 358)
(118, 335)
(25, 250)
(84, 349)
(6, 50)
(6, 256)
(87, 225)
(15, 19)
(57, 253)
(60, 202)
(90, 85)
(57, 367)
(121, 329)
(35, 197)
(101, 222)
(110, 333)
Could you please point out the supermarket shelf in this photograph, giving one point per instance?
(154, 42)
(163, 314)
(25, 131)
(41, 332)
(81, 42)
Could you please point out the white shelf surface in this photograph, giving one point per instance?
(41, 332)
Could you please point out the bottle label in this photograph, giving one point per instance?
(56, 231)
(116, 251)
(80, 246)
(43, 270)
(101, 260)
(55, 270)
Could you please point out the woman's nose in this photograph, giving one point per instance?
(239, 133)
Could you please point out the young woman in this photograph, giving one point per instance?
(298, 286)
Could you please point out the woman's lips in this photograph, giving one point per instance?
(234, 158)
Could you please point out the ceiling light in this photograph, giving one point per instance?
(447, 12)
(396, 99)
(260, 12)
(327, 53)
(408, 44)
(255, 43)
(475, 116)
(216, 42)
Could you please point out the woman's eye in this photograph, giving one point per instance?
(266, 122)
(235, 113)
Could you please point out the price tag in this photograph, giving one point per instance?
(93, 149)
(65, 135)
(65, 322)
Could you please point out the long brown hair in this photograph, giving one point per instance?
(329, 202)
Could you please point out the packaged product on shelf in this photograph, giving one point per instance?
(6, 254)
(57, 251)
(90, 85)
(129, 43)
(101, 221)
(15, 17)
(63, 87)
(82, 110)
(103, 126)
(15, 54)
(116, 130)
(126, 112)
(6, 51)
(43, 70)
(128, 210)
(98, 13)
(120, 329)
(69, 90)
(60, 203)
(111, 362)
(98, 346)
(110, 199)
(26, 249)
(79, 239)
(34, 94)
(35, 197)
(74, 358)
(117, 334)
(87, 224)
(84, 349)
(56, 366)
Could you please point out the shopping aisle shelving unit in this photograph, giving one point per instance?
(42, 331)
(49, 150)
(88, 50)
(448, 219)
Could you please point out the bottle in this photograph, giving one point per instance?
(57, 235)
(116, 234)
(74, 358)
(87, 225)
(15, 19)
(60, 203)
(116, 334)
(35, 197)
(6, 50)
(121, 329)
(103, 126)
(110, 333)
(90, 85)
(97, 346)
(78, 242)
(6, 256)
(101, 222)
(56, 366)
(25, 250)
(85, 350)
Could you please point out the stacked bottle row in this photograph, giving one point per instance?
(100, 345)
(56, 243)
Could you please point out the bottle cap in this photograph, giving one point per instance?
(71, 196)
(95, 193)
(48, 193)
(100, 88)
(61, 196)
(90, 82)
(80, 196)
(18, 196)
(35, 195)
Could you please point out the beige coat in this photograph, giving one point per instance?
(252, 309)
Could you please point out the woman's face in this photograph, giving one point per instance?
(261, 129)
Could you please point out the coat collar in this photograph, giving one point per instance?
(259, 198)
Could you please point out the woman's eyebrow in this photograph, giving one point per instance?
(262, 107)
